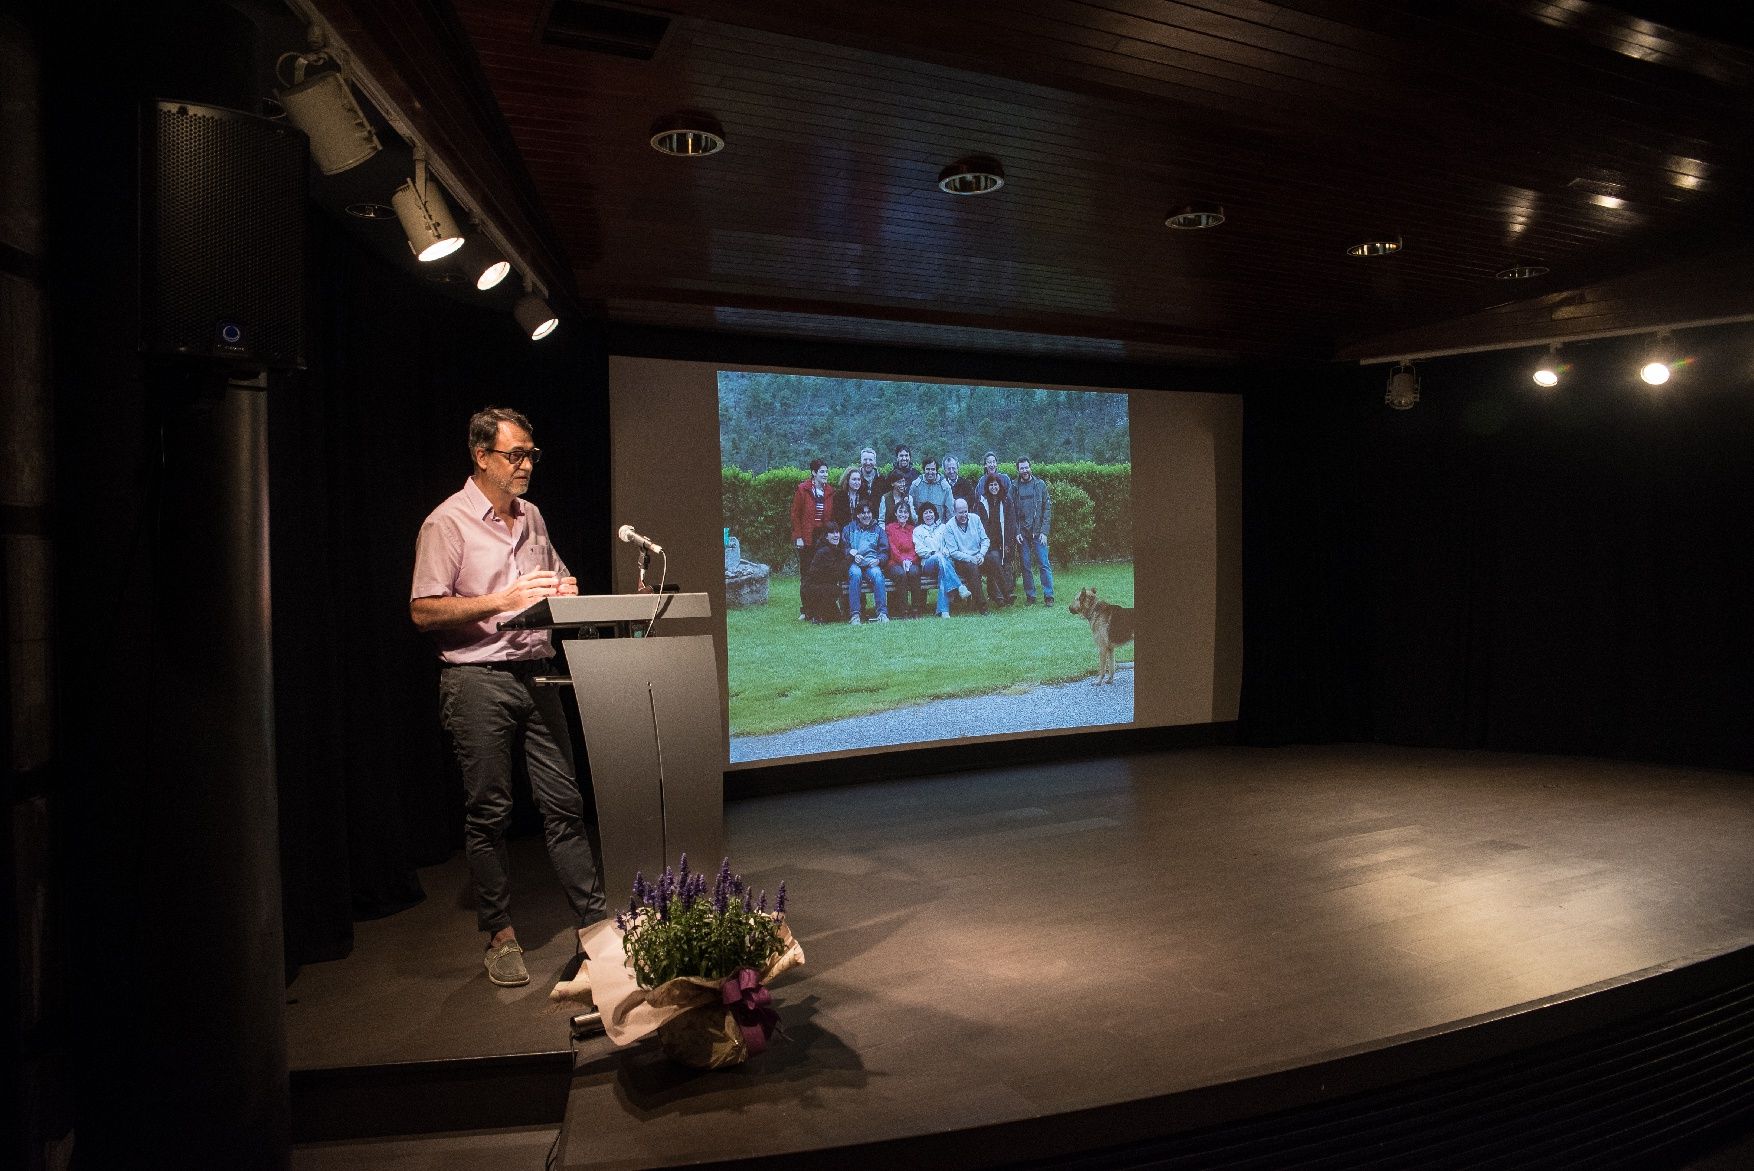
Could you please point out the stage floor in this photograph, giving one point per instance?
(1016, 943)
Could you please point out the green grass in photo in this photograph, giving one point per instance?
(787, 674)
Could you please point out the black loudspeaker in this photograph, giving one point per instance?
(222, 236)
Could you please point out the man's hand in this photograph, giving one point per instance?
(569, 587)
(530, 589)
(447, 612)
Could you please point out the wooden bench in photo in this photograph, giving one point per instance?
(928, 584)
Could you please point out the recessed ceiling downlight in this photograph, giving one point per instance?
(978, 175)
(1193, 216)
(1384, 247)
(687, 135)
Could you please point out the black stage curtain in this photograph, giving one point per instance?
(362, 447)
(1504, 568)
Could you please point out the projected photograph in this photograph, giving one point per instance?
(911, 562)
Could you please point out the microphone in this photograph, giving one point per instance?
(627, 534)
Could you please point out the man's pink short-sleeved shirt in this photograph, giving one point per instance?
(466, 551)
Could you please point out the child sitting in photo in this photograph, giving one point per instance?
(825, 571)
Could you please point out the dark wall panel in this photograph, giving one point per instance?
(1505, 568)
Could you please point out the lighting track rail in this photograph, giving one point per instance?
(435, 163)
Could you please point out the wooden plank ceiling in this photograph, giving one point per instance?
(1562, 133)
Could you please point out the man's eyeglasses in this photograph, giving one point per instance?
(518, 455)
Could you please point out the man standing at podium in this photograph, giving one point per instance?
(482, 556)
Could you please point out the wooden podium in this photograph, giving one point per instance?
(654, 727)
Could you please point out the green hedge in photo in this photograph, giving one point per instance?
(758, 511)
(1093, 510)
(1073, 523)
(1110, 489)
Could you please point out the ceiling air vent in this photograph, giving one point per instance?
(604, 28)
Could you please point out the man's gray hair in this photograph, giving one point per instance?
(484, 426)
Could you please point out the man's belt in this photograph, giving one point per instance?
(510, 665)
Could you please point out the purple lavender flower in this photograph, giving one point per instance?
(779, 901)
(682, 872)
(696, 888)
(761, 903)
(621, 923)
(639, 885)
(748, 903)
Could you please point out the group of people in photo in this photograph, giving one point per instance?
(904, 532)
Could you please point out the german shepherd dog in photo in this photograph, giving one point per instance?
(1111, 626)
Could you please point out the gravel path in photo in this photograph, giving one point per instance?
(1061, 705)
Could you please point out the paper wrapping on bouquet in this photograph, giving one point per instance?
(731, 1029)
(631, 1012)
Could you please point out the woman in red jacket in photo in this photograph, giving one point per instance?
(903, 566)
(812, 515)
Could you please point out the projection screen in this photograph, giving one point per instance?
(1130, 505)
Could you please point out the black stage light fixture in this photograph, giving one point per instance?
(481, 262)
(534, 316)
(1403, 389)
(1548, 371)
(1659, 360)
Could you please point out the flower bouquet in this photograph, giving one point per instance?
(690, 963)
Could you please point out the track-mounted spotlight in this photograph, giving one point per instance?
(534, 316)
(426, 217)
(1403, 389)
(322, 105)
(481, 262)
(1658, 361)
(1548, 372)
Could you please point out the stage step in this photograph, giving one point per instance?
(424, 1097)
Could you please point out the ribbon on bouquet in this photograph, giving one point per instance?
(751, 1007)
